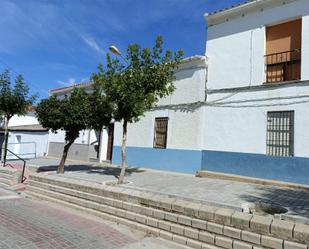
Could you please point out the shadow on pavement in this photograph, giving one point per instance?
(103, 170)
(295, 200)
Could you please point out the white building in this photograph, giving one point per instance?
(27, 138)
(253, 119)
(257, 111)
(86, 147)
(244, 110)
(169, 136)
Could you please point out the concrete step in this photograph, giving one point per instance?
(134, 220)
(189, 223)
(7, 170)
(5, 175)
(3, 185)
(6, 181)
(180, 225)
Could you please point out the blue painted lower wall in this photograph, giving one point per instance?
(185, 161)
(289, 169)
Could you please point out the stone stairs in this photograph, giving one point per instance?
(189, 223)
(9, 177)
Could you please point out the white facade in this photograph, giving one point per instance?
(182, 109)
(25, 141)
(236, 50)
(239, 100)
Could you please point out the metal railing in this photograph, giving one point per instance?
(24, 150)
(283, 66)
(23, 178)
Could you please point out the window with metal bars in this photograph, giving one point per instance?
(280, 133)
(160, 133)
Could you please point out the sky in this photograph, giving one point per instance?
(56, 43)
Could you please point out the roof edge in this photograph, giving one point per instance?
(185, 63)
(242, 9)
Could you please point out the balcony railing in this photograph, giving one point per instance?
(284, 66)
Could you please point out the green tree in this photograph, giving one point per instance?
(14, 100)
(135, 87)
(100, 115)
(70, 113)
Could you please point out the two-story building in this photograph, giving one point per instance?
(254, 117)
(257, 111)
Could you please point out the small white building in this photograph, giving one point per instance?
(90, 145)
(27, 138)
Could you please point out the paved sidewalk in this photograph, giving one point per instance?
(230, 193)
(27, 224)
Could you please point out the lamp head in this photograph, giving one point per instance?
(114, 50)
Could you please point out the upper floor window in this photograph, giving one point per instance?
(160, 134)
(283, 52)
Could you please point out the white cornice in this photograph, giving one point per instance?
(242, 10)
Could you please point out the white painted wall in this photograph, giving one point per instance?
(30, 145)
(60, 135)
(236, 48)
(236, 120)
(184, 125)
(238, 123)
(28, 119)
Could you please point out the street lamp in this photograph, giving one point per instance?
(116, 51)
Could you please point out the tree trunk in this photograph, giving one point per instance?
(5, 142)
(99, 145)
(66, 148)
(123, 153)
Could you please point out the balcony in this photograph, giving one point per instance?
(283, 66)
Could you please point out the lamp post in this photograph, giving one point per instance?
(116, 51)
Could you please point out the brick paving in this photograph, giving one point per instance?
(28, 224)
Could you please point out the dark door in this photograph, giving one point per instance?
(110, 143)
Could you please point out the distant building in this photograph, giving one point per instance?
(27, 138)
(90, 145)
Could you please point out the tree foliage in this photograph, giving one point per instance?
(136, 86)
(14, 100)
(73, 113)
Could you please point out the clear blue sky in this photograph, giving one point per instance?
(54, 43)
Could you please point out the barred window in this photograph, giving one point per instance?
(280, 133)
(160, 134)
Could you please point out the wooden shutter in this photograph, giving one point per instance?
(160, 136)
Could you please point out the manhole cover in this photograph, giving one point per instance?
(262, 208)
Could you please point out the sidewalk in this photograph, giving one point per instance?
(221, 192)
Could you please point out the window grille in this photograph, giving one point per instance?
(160, 136)
(280, 133)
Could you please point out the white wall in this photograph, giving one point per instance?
(31, 143)
(60, 135)
(28, 119)
(238, 123)
(184, 124)
(236, 48)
